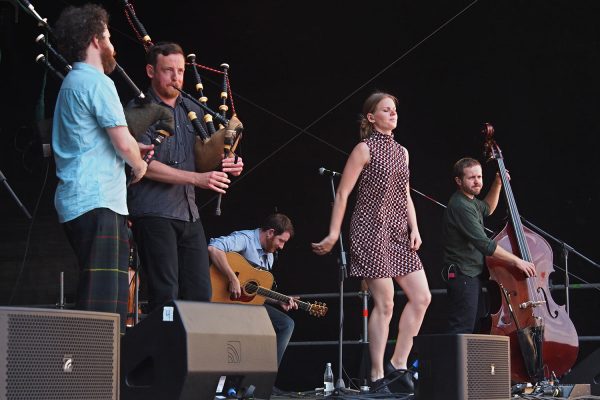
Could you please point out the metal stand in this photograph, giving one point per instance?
(61, 300)
(565, 253)
(134, 263)
(339, 384)
(14, 196)
(136, 299)
(365, 362)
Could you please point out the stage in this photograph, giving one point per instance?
(299, 72)
(174, 354)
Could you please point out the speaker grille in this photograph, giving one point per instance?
(488, 370)
(60, 357)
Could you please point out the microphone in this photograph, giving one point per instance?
(328, 172)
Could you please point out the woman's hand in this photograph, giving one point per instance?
(415, 240)
(324, 246)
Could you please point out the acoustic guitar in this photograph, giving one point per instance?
(255, 284)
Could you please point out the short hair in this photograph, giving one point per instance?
(279, 223)
(369, 107)
(164, 49)
(458, 171)
(76, 27)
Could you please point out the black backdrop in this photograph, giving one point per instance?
(300, 72)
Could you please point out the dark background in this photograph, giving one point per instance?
(300, 72)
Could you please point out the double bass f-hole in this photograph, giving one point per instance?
(551, 313)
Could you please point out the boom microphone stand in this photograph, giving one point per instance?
(339, 384)
(565, 255)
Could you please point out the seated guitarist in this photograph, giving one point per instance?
(257, 246)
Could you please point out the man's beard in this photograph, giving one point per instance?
(108, 60)
(474, 190)
(167, 92)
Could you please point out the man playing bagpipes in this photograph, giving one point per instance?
(166, 223)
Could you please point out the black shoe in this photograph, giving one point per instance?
(389, 368)
(402, 380)
(380, 386)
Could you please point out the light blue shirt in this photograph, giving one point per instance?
(246, 243)
(91, 174)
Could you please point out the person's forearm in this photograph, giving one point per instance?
(503, 255)
(493, 196)
(125, 145)
(337, 214)
(219, 259)
(160, 172)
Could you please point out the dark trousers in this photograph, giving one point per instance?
(464, 301)
(101, 243)
(174, 258)
(283, 326)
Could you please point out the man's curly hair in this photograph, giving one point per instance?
(76, 27)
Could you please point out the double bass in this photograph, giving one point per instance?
(543, 339)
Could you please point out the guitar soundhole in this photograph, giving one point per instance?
(251, 287)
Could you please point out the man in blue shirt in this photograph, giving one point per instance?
(257, 246)
(91, 144)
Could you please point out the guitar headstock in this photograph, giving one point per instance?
(317, 309)
(491, 149)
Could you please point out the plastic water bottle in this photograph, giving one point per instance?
(328, 380)
(415, 369)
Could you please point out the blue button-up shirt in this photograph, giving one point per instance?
(247, 244)
(91, 174)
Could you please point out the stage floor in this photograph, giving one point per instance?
(561, 391)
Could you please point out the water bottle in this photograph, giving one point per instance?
(328, 380)
(415, 369)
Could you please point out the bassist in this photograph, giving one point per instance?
(258, 246)
(465, 244)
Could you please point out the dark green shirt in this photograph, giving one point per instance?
(464, 240)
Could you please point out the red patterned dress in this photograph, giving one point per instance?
(379, 234)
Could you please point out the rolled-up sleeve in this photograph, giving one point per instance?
(235, 242)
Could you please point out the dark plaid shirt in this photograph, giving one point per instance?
(158, 199)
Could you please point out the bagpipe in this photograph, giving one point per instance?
(217, 135)
(215, 142)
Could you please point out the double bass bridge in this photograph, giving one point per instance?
(531, 304)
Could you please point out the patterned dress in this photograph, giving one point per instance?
(379, 235)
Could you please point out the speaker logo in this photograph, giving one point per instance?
(68, 363)
(492, 369)
(234, 352)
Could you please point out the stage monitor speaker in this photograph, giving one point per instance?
(463, 367)
(192, 350)
(586, 371)
(58, 354)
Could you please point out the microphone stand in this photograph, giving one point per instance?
(565, 254)
(339, 384)
(14, 196)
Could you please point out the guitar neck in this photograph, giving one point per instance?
(281, 297)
